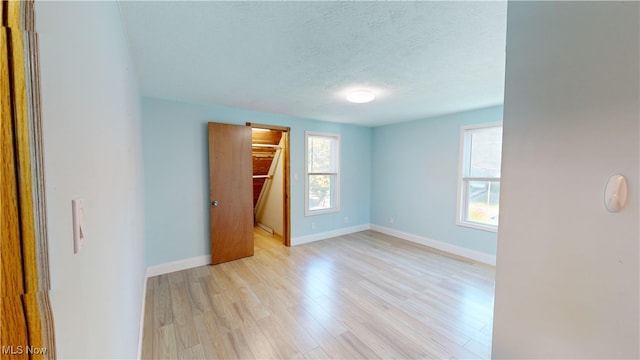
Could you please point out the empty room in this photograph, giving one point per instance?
(321, 180)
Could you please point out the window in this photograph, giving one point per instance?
(479, 182)
(322, 173)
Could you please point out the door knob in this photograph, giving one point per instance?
(214, 203)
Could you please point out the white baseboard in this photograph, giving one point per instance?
(178, 265)
(206, 259)
(265, 228)
(443, 246)
(328, 234)
(446, 247)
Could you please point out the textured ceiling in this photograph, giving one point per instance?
(300, 58)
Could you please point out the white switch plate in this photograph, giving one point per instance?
(77, 207)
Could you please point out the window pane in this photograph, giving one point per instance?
(322, 154)
(320, 191)
(486, 152)
(482, 202)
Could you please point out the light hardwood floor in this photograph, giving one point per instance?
(365, 295)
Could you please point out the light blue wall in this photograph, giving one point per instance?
(415, 178)
(176, 175)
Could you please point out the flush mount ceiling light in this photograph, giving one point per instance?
(360, 96)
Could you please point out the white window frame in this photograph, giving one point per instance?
(463, 178)
(336, 192)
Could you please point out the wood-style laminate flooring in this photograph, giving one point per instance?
(361, 296)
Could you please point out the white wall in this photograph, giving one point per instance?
(270, 211)
(567, 279)
(92, 146)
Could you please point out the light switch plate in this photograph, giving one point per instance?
(77, 207)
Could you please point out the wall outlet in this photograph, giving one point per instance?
(346, 219)
(313, 226)
(391, 220)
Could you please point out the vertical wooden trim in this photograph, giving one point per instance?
(27, 321)
(23, 156)
(287, 189)
(13, 329)
(34, 117)
(11, 249)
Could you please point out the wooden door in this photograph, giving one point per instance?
(230, 192)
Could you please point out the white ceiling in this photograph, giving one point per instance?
(299, 58)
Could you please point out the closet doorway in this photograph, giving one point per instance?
(271, 184)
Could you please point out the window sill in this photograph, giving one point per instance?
(320, 212)
(477, 226)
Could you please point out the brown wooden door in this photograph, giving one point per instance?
(230, 192)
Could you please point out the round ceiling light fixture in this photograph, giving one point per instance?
(361, 96)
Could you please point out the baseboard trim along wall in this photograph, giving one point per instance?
(442, 246)
(328, 234)
(178, 265)
(446, 247)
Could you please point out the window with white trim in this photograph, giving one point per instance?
(479, 180)
(322, 173)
